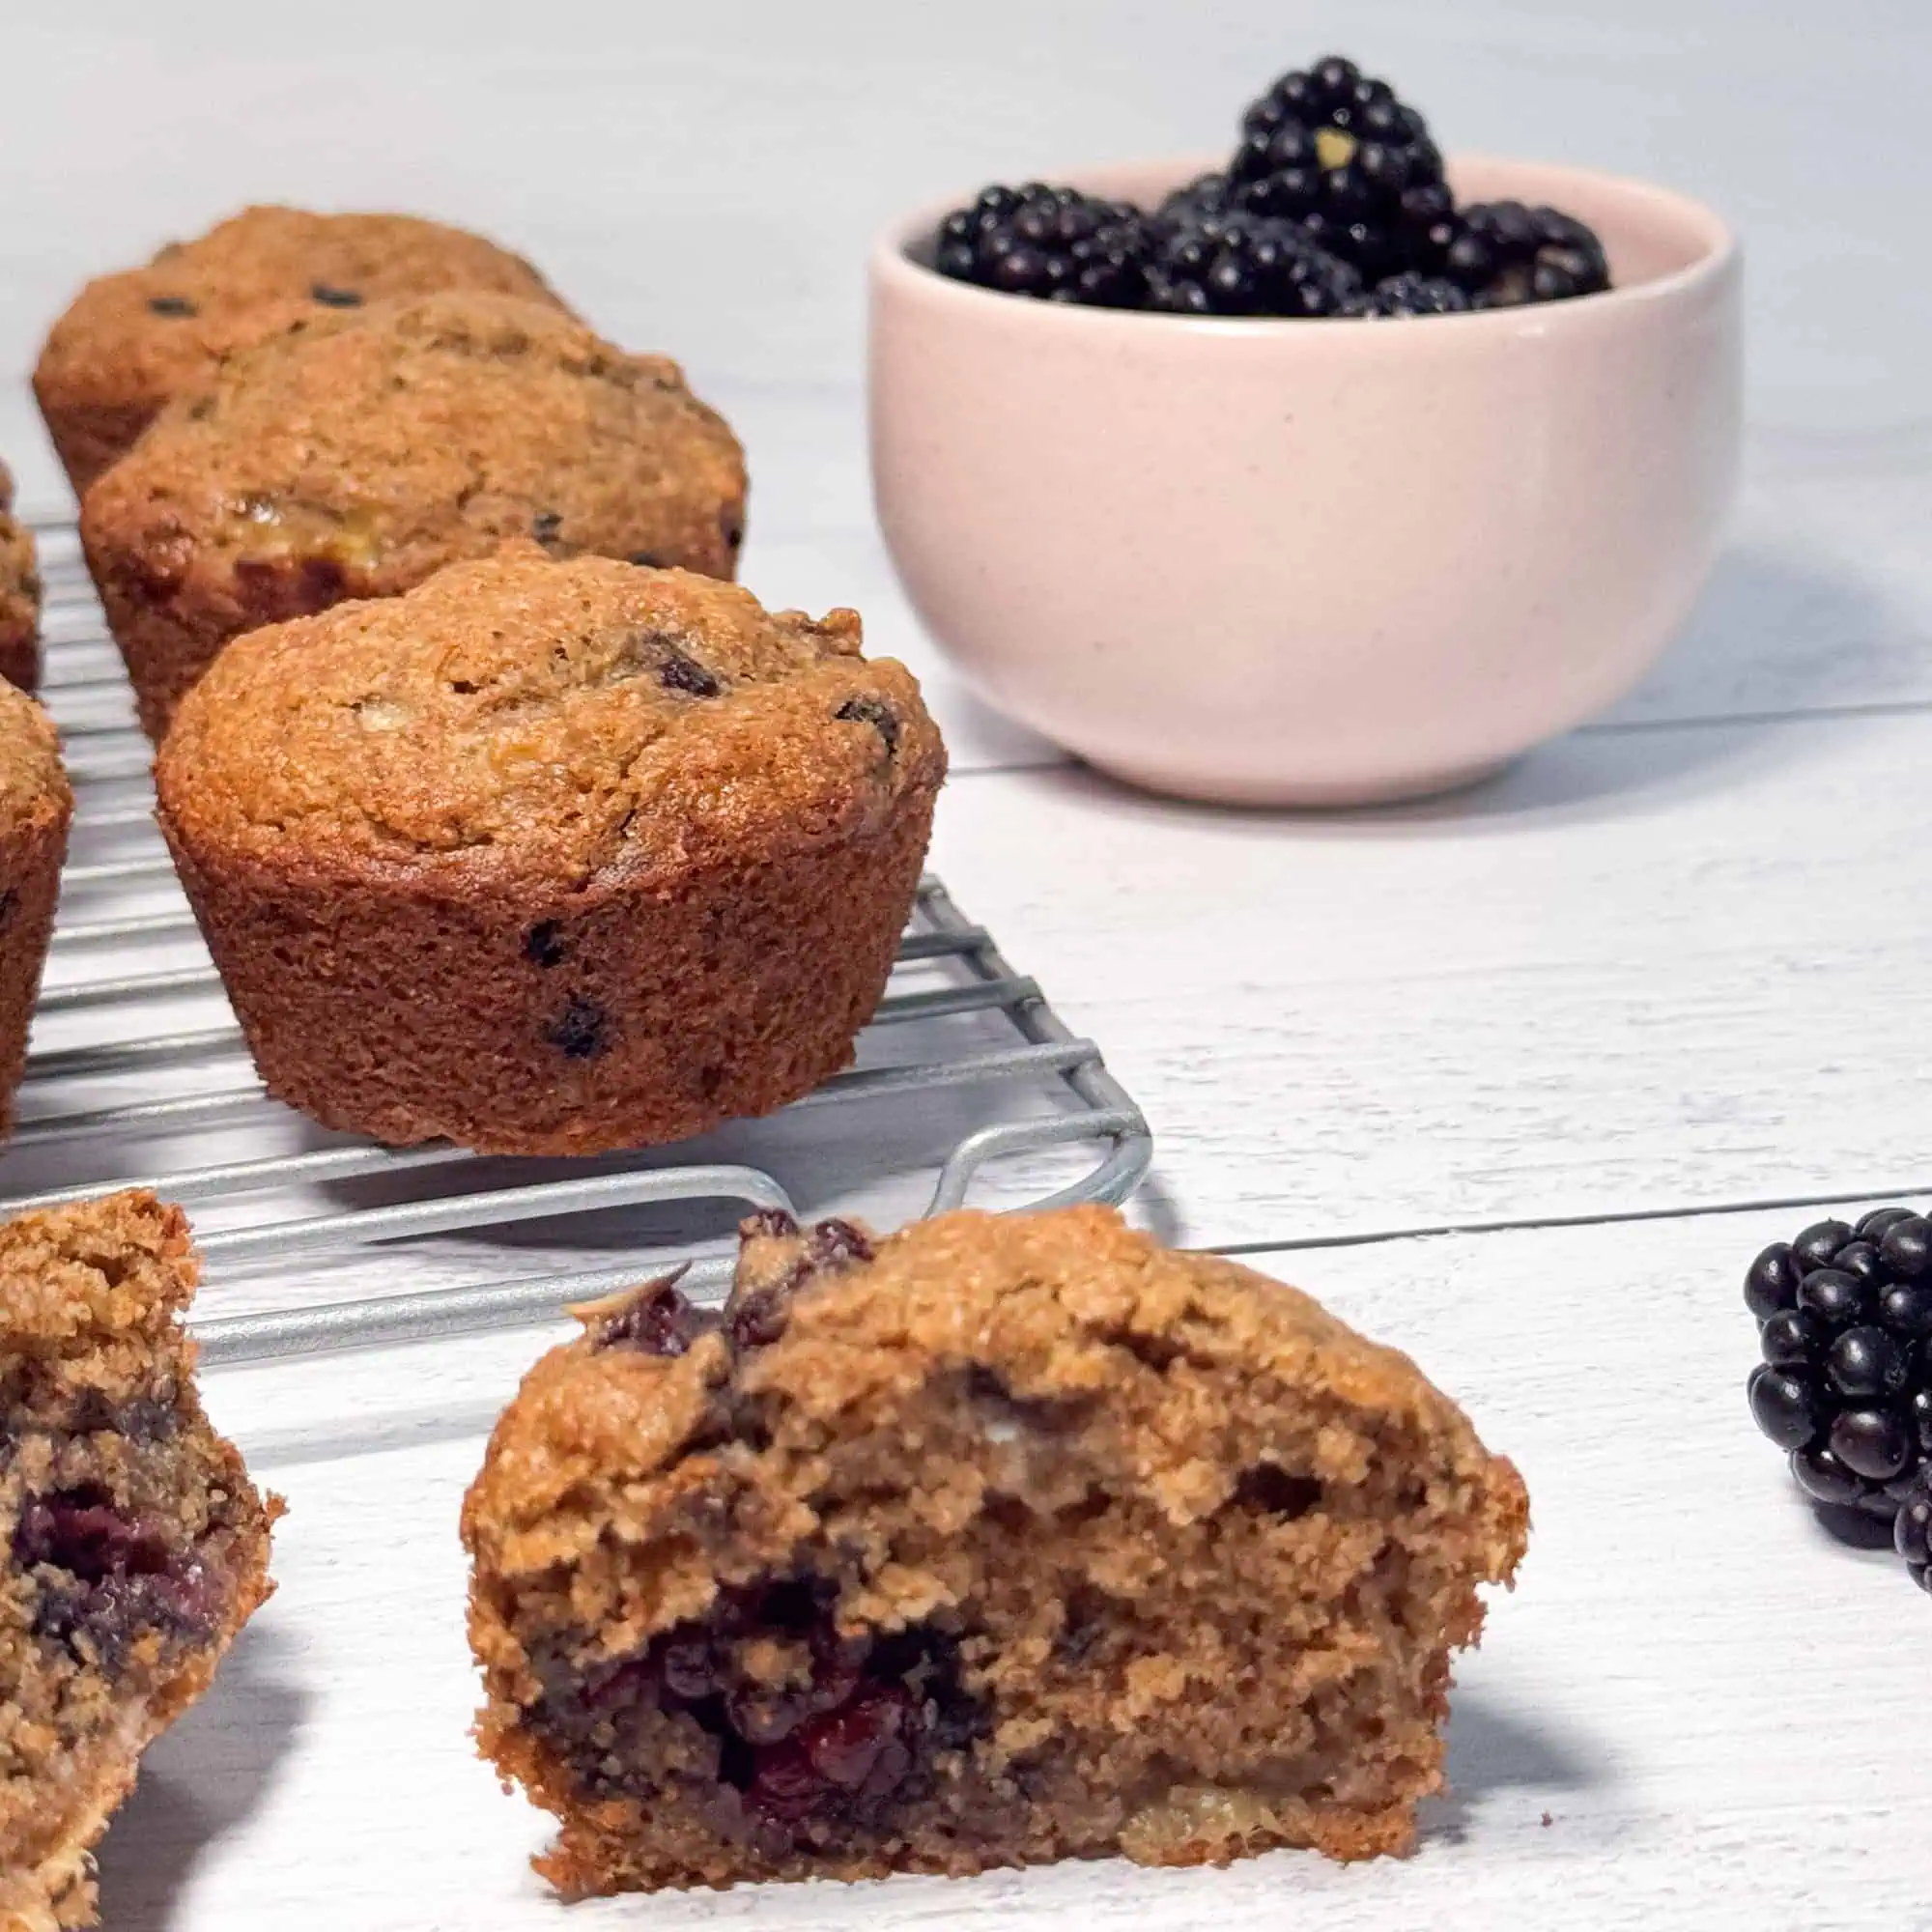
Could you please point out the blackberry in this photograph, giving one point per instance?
(1240, 263)
(1204, 196)
(1054, 244)
(1342, 155)
(1409, 294)
(1844, 1318)
(1505, 254)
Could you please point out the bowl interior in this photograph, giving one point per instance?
(1650, 232)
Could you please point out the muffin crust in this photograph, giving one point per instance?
(355, 456)
(132, 342)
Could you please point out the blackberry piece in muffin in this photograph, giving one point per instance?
(36, 809)
(550, 857)
(20, 595)
(134, 1544)
(132, 342)
(357, 455)
(997, 1542)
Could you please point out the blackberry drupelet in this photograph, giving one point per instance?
(1238, 263)
(1505, 254)
(1054, 244)
(1409, 294)
(1912, 1530)
(1342, 155)
(1844, 1319)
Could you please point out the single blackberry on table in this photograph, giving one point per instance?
(1844, 1318)
(1505, 254)
(1054, 244)
(1341, 154)
(1239, 263)
(1409, 294)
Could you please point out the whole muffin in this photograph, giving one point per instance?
(355, 457)
(1000, 1541)
(550, 857)
(20, 595)
(130, 342)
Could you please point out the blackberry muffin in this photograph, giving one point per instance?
(998, 1542)
(135, 1544)
(20, 596)
(132, 342)
(354, 457)
(550, 857)
(36, 807)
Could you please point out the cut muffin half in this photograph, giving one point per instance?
(135, 1544)
(998, 1542)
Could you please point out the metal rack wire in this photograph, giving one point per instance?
(163, 1029)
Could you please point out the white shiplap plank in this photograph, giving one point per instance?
(1646, 968)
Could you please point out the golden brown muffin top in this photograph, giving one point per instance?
(387, 442)
(34, 789)
(1068, 1305)
(148, 333)
(524, 717)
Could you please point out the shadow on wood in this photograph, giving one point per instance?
(200, 1782)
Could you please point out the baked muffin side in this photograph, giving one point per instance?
(356, 455)
(20, 595)
(551, 856)
(36, 809)
(130, 342)
(1000, 1541)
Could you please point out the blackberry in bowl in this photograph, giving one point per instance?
(1370, 550)
(1053, 242)
(1503, 254)
(1344, 156)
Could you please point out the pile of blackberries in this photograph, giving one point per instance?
(1334, 204)
(1844, 1319)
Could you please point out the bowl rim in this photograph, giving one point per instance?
(893, 264)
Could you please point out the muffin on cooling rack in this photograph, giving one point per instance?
(35, 806)
(550, 857)
(135, 1546)
(133, 341)
(1001, 1541)
(352, 458)
(20, 595)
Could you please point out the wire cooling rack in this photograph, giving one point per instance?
(966, 1082)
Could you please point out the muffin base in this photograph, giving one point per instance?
(30, 866)
(20, 657)
(167, 644)
(623, 1017)
(90, 437)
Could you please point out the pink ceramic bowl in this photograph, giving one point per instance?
(1313, 562)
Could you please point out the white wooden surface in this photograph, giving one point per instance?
(1668, 967)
